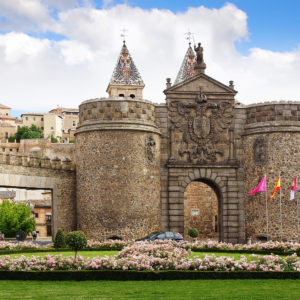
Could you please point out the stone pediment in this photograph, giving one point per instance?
(207, 84)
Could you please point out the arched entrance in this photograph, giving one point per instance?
(201, 209)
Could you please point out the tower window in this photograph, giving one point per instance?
(121, 95)
(132, 96)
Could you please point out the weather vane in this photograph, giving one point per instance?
(123, 34)
(189, 35)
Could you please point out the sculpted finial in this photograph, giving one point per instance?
(200, 65)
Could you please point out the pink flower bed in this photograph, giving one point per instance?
(272, 246)
(152, 257)
(197, 245)
(109, 244)
(22, 245)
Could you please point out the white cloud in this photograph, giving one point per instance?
(39, 74)
(24, 15)
(17, 47)
(75, 52)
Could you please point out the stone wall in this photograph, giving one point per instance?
(201, 210)
(24, 172)
(52, 150)
(118, 169)
(135, 111)
(271, 148)
(205, 146)
(161, 119)
(273, 111)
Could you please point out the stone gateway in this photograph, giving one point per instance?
(190, 162)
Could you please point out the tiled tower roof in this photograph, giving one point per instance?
(125, 72)
(187, 67)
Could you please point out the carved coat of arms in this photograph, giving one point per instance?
(204, 126)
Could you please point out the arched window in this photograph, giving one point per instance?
(121, 95)
(132, 96)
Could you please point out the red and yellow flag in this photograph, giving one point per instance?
(276, 188)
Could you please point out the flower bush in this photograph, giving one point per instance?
(153, 257)
(22, 245)
(109, 244)
(284, 247)
(270, 246)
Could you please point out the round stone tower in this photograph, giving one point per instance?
(118, 157)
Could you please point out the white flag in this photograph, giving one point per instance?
(292, 195)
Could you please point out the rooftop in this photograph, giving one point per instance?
(187, 67)
(125, 72)
(3, 106)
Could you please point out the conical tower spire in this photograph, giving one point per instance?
(126, 80)
(187, 67)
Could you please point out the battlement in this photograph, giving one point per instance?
(273, 111)
(37, 162)
(117, 114)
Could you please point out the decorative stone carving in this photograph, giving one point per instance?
(204, 126)
(260, 151)
(151, 149)
(200, 65)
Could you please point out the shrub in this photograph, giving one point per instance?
(76, 240)
(11, 139)
(193, 232)
(60, 239)
(54, 139)
(33, 132)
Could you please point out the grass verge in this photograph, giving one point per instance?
(191, 289)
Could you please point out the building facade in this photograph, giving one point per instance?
(189, 162)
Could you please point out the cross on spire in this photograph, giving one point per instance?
(189, 35)
(123, 34)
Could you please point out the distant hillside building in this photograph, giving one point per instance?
(8, 125)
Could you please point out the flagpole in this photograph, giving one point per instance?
(267, 217)
(297, 209)
(280, 211)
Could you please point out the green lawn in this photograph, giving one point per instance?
(85, 254)
(190, 289)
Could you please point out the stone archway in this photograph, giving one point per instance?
(62, 185)
(201, 210)
(218, 180)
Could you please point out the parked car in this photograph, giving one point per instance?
(163, 235)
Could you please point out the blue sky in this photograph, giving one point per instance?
(62, 52)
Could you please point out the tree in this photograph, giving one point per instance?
(76, 240)
(33, 132)
(193, 232)
(14, 217)
(60, 239)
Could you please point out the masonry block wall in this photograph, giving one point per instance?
(161, 119)
(62, 182)
(271, 142)
(118, 169)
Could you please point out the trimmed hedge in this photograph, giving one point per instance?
(142, 275)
